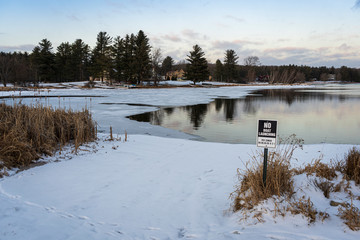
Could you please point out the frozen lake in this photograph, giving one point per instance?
(328, 114)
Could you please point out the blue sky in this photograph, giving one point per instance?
(316, 32)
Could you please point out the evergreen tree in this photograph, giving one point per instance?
(142, 57)
(43, 60)
(167, 65)
(63, 63)
(219, 71)
(197, 69)
(230, 62)
(6, 67)
(101, 57)
(80, 57)
(118, 50)
(128, 60)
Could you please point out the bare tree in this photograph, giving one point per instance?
(252, 61)
(156, 59)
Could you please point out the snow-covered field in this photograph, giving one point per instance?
(152, 186)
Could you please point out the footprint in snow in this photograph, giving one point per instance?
(153, 229)
(181, 233)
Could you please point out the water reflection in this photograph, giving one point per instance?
(330, 116)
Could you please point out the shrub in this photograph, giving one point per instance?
(352, 165)
(319, 169)
(351, 217)
(27, 132)
(305, 207)
(325, 186)
(251, 190)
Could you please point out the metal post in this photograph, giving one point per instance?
(265, 165)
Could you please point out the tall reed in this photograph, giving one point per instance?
(28, 132)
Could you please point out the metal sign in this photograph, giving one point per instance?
(267, 131)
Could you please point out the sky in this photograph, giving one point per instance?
(301, 32)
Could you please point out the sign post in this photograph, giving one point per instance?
(266, 138)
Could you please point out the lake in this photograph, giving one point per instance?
(322, 114)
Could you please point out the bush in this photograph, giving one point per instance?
(352, 165)
(351, 217)
(29, 132)
(320, 169)
(252, 191)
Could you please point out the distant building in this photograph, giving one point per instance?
(331, 77)
(175, 75)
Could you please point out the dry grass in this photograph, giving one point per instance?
(306, 208)
(325, 186)
(351, 217)
(352, 165)
(29, 132)
(252, 191)
(320, 169)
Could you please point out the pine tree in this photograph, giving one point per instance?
(219, 71)
(128, 60)
(43, 60)
(6, 67)
(142, 57)
(63, 62)
(167, 65)
(80, 58)
(101, 57)
(118, 52)
(197, 70)
(230, 62)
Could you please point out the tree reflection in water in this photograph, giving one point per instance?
(222, 111)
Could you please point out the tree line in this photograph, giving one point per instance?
(127, 59)
(131, 59)
(252, 70)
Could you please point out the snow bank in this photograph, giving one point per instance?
(149, 187)
(146, 188)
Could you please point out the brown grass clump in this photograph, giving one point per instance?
(252, 191)
(352, 165)
(305, 207)
(26, 132)
(319, 169)
(325, 186)
(351, 217)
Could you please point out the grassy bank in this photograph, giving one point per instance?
(339, 183)
(28, 132)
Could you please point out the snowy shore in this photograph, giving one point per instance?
(150, 187)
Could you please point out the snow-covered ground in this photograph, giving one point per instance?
(150, 187)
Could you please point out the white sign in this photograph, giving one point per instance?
(266, 134)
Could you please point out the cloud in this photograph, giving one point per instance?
(190, 33)
(344, 47)
(19, 48)
(172, 37)
(74, 18)
(323, 56)
(287, 51)
(237, 19)
(235, 44)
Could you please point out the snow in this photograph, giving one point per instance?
(151, 186)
